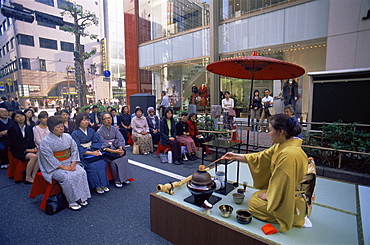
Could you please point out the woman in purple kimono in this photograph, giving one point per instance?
(113, 152)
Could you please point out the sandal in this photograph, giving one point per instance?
(74, 206)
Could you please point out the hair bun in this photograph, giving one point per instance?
(291, 122)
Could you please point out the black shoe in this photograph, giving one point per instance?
(180, 161)
(177, 162)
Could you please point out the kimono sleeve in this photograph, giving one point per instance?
(119, 140)
(76, 138)
(96, 143)
(260, 166)
(46, 157)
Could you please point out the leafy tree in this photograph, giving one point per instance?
(82, 19)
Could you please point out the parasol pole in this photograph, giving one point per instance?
(249, 112)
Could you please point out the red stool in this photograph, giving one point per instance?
(16, 168)
(41, 187)
(109, 172)
(12, 165)
(130, 141)
(161, 148)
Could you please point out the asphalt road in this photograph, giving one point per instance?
(119, 217)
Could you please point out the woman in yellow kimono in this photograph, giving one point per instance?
(276, 172)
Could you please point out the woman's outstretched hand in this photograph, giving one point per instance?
(234, 156)
(229, 156)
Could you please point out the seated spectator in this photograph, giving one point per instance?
(140, 132)
(22, 144)
(289, 110)
(134, 114)
(182, 135)
(194, 132)
(116, 120)
(5, 124)
(34, 110)
(41, 130)
(125, 123)
(109, 109)
(153, 123)
(29, 117)
(87, 110)
(77, 110)
(89, 147)
(95, 118)
(57, 113)
(112, 145)
(59, 160)
(69, 125)
(168, 136)
(68, 108)
(10, 112)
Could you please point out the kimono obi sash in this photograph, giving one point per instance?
(87, 145)
(62, 155)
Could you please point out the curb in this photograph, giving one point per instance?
(343, 175)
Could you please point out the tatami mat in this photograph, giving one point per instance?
(334, 215)
(364, 196)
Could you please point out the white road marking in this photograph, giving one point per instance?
(157, 170)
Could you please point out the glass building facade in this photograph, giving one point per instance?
(175, 55)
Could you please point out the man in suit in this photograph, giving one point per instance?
(95, 118)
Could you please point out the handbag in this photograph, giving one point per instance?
(92, 158)
(55, 203)
(164, 158)
(135, 149)
(231, 113)
(110, 156)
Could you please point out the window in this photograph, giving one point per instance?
(67, 46)
(47, 2)
(4, 26)
(24, 63)
(7, 47)
(12, 43)
(48, 43)
(42, 65)
(48, 20)
(1, 29)
(64, 4)
(25, 40)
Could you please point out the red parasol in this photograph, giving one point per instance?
(255, 67)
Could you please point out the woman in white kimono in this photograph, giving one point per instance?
(59, 160)
(113, 152)
(277, 171)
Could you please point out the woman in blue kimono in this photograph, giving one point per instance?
(89, 147)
